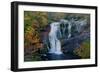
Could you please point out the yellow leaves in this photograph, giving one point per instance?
(57, 16)
(33, 22)
(40, 18)
(43, 14)
(27, 18)
(39, 45)
(35, 39)
(44, 20)
(30, 29)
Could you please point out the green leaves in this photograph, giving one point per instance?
(33, 21)
(84, 50)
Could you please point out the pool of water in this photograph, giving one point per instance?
(67, 56)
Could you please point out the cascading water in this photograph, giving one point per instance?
(63, 30)
(80, 25)
(55, 44)
(69, 30)
(66, 22)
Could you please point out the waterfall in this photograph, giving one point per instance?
(55, 44)
(66, 22)
(55, 33)
(80, 24)
(69, 30)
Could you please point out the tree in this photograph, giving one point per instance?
(33, 23)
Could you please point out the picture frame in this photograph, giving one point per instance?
(26, 16)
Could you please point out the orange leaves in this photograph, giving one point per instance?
(33, 23)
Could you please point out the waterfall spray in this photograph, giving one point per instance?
(55, 44)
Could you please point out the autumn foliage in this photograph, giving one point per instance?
(33, 21)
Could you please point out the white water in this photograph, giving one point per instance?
(66, 22)
(80, 25)
(69, 30)
(55, 44)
